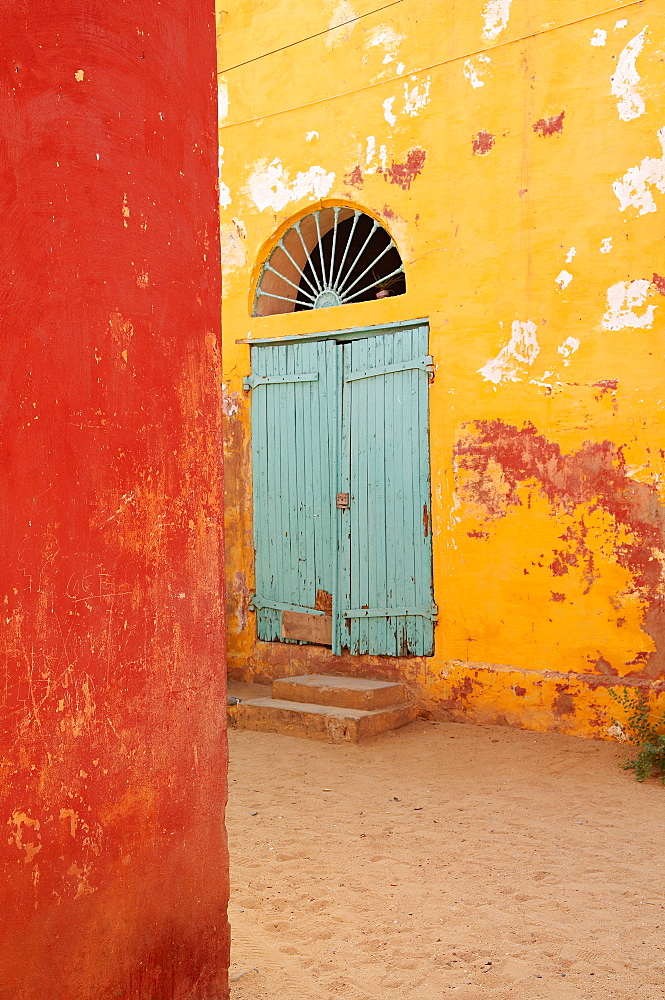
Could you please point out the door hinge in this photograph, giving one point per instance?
(252, 381)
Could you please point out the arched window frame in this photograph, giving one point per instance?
(297, 274)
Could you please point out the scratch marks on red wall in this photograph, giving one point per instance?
(549, 125)
(111, 634)
(494, 459)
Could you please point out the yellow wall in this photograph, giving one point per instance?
(532, 239)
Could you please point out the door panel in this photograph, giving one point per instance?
(294, 419)
(386, 551)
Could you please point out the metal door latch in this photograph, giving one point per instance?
(342, 501)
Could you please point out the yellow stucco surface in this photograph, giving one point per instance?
(532, 237)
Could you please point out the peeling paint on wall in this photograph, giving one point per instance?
(482, 143)
(405, 173)
(563, 279)
(354, 178)
(493, 458)
(269, 185)
(659, 283)
(473, 72)
(231, 401)
(416, 98)
(224, 193)
(626, 80)
(339, 31)
(233, 247)
(634, 188)
(551, 125)
(222, 101)
(495, 15)
(622, 301)
(568, 348)
(385, 37)
(599, 37)
(522, 349)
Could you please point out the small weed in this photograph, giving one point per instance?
(645, 728)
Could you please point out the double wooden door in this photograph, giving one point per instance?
(341, 485)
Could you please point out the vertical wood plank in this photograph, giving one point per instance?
(342, 637)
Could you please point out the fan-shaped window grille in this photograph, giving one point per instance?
(331, 257)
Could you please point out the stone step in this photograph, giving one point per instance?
(342, 692)
(319, 722)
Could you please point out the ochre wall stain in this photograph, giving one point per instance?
(532, 243)
(113, 864)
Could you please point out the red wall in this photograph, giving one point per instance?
(113, 876)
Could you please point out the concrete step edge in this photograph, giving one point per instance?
(313, 708)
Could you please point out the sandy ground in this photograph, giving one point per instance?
(444, 861)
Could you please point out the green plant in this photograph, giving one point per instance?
(645, 728)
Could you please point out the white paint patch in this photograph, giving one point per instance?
(371, 166)
(471, 74)
(312, 135)
(620, 24)
(230, 401)
(400, 68)
(270, 187)
(571, 253)
(387, 39)
(626, 80)
(383, 158)
(599, 37)
(634, 188)
(388, 110)
(622, 300)
(416, 98)
(233, 252)
(471, 70)
(606, 245)
(568, 348)
(543, 381)
(224, 193)
(495, 15)
(522, 349)
(342, 11)
(222, 101)
(563, 279)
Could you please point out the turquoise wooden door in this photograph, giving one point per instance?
(330, 419)
(295, 390)
(385, 550)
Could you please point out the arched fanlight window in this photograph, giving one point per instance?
(332, 257)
